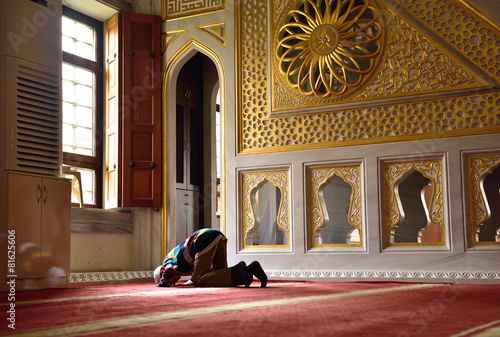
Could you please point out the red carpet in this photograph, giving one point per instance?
(280, 309)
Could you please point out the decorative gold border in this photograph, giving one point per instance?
(169, 37)
(362, 122)
(249, 181)
(393, 172)
(190, 13)
(317, 178)
(222, 80)
(479, 168)
(210, 30)
(483, 16)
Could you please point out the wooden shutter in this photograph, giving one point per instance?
(112, 149)
(139, 112)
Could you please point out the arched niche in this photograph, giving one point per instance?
(484, 201)
(265, 210)
(335, 206)
(414, 203)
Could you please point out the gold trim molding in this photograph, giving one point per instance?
(394, 172)
(215, 30)
(318, 176)
(250, 181)
(169, 37)
(479, 168)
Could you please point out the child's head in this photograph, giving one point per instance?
(166, 275)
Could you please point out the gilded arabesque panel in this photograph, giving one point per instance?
(393, 174)
(433, 93)
(250, 182)
(318, 177)
(463, 26)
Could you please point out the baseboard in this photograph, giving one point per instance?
(112, 277)
(458, 277)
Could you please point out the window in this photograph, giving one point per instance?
(82, 92)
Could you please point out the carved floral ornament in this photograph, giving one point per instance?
(479, 168)
(328, 47)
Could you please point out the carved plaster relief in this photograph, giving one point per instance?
(327, 211)
(423, 193)
(463, 27)
(329, 73)
(483, 175)
(326, 48)
(266, 210)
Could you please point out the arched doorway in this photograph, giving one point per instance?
(190, 198)
(194, 151)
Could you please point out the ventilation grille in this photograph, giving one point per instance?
(38, 124)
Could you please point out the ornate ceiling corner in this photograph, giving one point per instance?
(169, 37)
(215, 30)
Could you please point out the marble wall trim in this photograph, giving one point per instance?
(384, 275)
(319, 275)
(110, 277)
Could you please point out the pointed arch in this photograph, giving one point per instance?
(170, 77)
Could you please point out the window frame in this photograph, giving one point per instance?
(83, 161)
